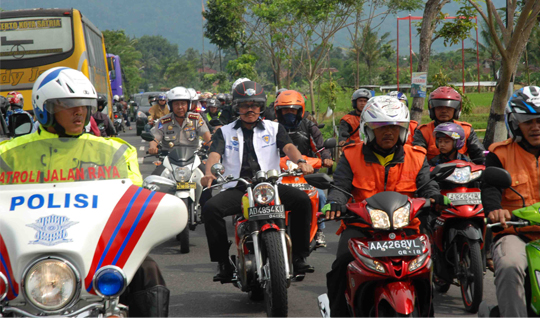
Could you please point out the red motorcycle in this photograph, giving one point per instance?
(458, 235)
(391, 273)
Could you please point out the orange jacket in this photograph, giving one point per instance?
(371, 178)
(412, 127)
(523, 167)
(427, 133)
(354, 121)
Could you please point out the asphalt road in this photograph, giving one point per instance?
(193, 293)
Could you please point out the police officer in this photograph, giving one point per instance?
(63, 100)
(179, 127)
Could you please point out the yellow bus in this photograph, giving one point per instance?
(35, 40)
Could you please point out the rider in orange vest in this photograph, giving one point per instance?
(413, 123)
(445, 106)
(350, 123)
(383, 162)
(519, 156)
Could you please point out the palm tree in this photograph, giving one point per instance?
(373, 49)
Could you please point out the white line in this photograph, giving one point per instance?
(140, 159)
(143, 140)
(141, 148)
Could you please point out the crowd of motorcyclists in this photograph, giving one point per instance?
(382, 150)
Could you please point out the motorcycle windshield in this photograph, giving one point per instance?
(62, 160)
(182, 155)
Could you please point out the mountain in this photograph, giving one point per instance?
(180, 21)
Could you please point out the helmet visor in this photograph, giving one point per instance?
(375, 125)
(57, 105)
(455, 104)
(521, 118)
(288, 106)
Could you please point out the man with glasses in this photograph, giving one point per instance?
(246, 146)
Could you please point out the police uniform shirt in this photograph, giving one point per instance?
(250, 163)
(171, 133)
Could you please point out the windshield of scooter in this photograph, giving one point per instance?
(62, 160)
(182, 155)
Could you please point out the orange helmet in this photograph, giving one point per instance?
(290, 99)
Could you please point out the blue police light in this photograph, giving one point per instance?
(110, 281)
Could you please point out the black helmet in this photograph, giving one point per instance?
(213, 102)
(228, 99)
(524, 105)
(102, 100)
(248, 92)
(221, 97)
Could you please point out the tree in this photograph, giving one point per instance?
(373, 49)
(244, 66)
(118, 43)
(430, 19)
(521, 19)
(158, 54)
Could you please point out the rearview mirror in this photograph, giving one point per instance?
(20, 124)
(217, 169)
(330, 143)
(321, 126)
(147, 136)
(319, 180)
(442, 171)
(497, 177)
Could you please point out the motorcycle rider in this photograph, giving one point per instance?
(413, 123)
(62, 112)
(445, 106)
(305, 135)
(104, 123)
(246, 146)
(228, 115)
(16, 104)
(213, 111)
(157, 110)
(125, 111)
(383, 162)
(449, 138)
(349, 124)
(179, 127)
(519, 156)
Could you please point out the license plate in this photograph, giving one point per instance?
(465, 198)
(186, 185)
(266, 212)
(299, 186)
(395, 248)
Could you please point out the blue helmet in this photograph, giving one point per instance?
(162, 96)
(401, 96)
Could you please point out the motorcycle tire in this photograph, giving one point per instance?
(183, 237)
(275, 292)
(472, 280)
(441, 287)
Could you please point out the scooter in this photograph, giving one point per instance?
(458, 235)
(391, 273)
(71, 240)
(181, 165)
(264, 266)
(525, 216)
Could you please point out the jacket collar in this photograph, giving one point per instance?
(369, 156)
(238, 124)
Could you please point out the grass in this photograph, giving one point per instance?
(478, 118)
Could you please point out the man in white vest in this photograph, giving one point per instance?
(244, 147)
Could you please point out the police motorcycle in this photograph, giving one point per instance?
(263, 265)
(181, 165)
(391, 274)
(525, 216)
(72, 239)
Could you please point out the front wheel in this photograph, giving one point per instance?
(183, 237)
(471, 274)
(275, 294)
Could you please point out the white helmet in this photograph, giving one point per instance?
(64, 87)
(193, 93)
(238, 81)
(178, 93)
(116, 98)
(384, 111)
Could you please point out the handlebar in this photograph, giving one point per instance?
(514, 223)
(222, 180)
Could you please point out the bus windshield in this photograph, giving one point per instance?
(26, 38)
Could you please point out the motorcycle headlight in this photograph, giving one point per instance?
(109, 281)
(401, 216)
(417, 262)
(50, 284)
(379, 219)
(463, 175)
(370, 263)
(182, 174)
(264, 193)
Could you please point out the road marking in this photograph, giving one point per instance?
(143, 140)
(141, 148)
(140, 159)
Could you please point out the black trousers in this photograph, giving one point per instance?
(336, 279)
(229, 202)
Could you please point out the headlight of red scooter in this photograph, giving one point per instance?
(401, 216)
(368, 262)
(379, 219)
(420, 260)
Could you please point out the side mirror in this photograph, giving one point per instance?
(330, 143)
(319, 180)
(217, 169)
(442, 171)
(160, 184)
(20, 124)
(321, 126)
(497, 177)
(147, 136)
